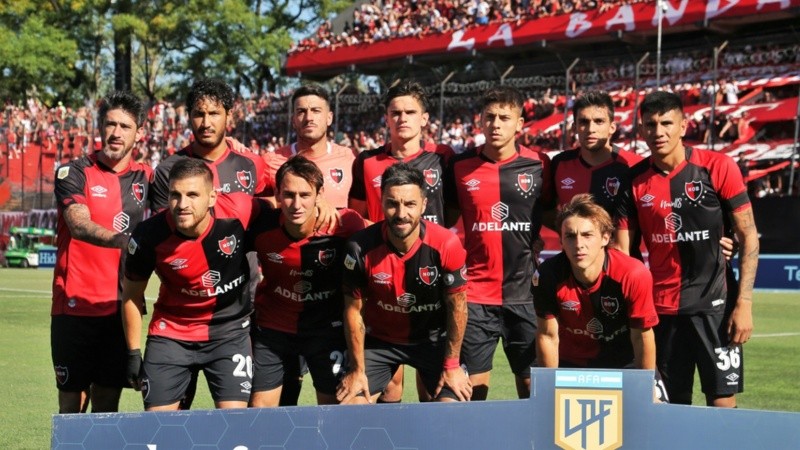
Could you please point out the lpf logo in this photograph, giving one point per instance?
(588, 410)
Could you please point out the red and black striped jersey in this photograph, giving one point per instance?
(594, 323)
(368, 169)
(682, 216)
(500, 205)
(302, 288)
(202, 295)
(404, 295)
(87, 280)
(238, 176)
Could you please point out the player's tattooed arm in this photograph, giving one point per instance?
(740, 324)
(354, 382)
(453, 375)
(79, 220)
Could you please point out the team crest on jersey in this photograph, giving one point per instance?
(429, 274)
(326, 256)
(244, 178)
(337, 175)
(610, 305)
(138, 191)
(431, 177)
(406, 300)
(693, 190)
(612, 186)
(227, 245)
(525, 182)
(62, 374)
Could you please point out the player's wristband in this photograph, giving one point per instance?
(451, 363)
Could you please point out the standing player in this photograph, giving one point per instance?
(594, 304)
(299, 303)
(498, 189)
(683, 200)
(101, 198)
(404, 298)
(311, 118)
(406, 115)
(201, 319)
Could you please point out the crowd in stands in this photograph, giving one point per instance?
(378, 20)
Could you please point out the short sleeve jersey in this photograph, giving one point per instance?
(500, 205)
(87, 280)
(302, 288)
(404, 295)
(238, 176)
(370, 165)
(202, 296)
(594, 323)
(336, 166)
(682, 216)
(606, 182)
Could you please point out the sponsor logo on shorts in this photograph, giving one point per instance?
(246, 387)
(62, 374)
(72, 303)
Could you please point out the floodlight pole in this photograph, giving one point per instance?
(661, 10)
(795, 146)
(441, 103)
(636, 99)
(566, 102)
(505, 74)
(336, 110)
(714, 86)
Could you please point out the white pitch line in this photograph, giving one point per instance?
(29, 291)
(775, 335)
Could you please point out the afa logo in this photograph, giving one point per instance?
(588, 410)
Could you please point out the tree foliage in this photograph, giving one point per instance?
(64, 48)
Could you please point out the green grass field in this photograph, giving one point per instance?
(28, 384)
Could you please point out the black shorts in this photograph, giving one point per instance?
(686, 341)
(515, 324)
(88, 350)
(276, 354)
(169, 364)
(383, 358)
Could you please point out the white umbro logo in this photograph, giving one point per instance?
(376, 182)
(275, 257)
(567, 181)
(473, 184)
(179, 263)
(98, 191)
(382, 277)
(647, 199)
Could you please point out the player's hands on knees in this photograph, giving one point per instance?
(134, 368)
(354, 383)
(458, 381)
(327, 216)
(740, 324)
(729, 247)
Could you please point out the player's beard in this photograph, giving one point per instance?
(396, 232)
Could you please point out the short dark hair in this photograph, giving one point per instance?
(660, 102)
(409, 88)
(598, 99)
(211, 88)
(125, 101)
(312, 89)
(503, 95)
(187, 167)
(401, 174)
(300, 166)
(584, 206)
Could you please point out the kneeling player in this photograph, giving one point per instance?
(594, 304)
(201, 320)
(299, 303)
(406, 276)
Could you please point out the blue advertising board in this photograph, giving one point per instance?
(47, 258)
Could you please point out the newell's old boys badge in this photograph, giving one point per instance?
(62, 374)
(612, 186)
(227, 245)
(428, 274)
(588, 410)
(525, 182)
(431, 176)
(326, 256)
(337, 175)
(610, 305)
(244, 178)
(694, 190)
(138, 191)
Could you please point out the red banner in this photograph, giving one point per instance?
(625, 18)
